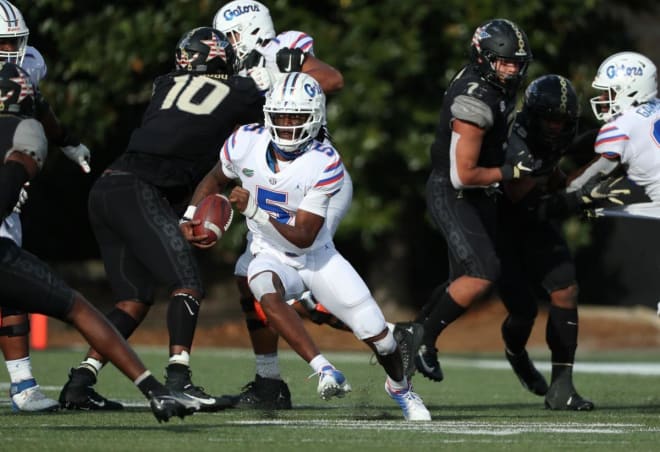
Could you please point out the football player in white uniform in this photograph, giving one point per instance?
(266, 56)
(24, 391)
(630, 137)
(287, 179)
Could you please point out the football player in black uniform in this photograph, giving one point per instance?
(531, 247)
(26, 282)
(468, 163)
(135, 206)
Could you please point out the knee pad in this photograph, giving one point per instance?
(124, 323)
(262, 284)
(387, 345)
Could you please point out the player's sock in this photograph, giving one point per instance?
(180, 358)
(268, 366)
(319, 362)
(444, 313)
(94, 365)
(19, 369)
(149, 386)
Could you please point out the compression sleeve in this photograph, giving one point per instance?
(12, 177)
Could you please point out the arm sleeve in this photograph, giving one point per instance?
(472, 110)
(12, 177)
(603, 166)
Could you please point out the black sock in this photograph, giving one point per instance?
(182, 314)
(443, 313)
(150, 387)
(515, 333)
(433, 300)
(561, 334)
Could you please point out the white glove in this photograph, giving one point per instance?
(80, 155)
(22, 198)
(262, 78)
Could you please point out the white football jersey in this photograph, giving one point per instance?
(634, 138)
(307, 183)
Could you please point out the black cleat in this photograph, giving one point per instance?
(78, 394)
(426, 361)
(563, 396)
(530, 378)
(409, 337)
(177, 379)
(173, 404)
(265, 394)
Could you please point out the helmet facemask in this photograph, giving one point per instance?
(246, 23)
(294, 113)
(497, 47)
(550, 113)
(625, 79)
(13, 34)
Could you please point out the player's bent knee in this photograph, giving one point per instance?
(262, 284)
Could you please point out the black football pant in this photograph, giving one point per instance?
(139, 238)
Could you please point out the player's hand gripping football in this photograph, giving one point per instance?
(187, 225)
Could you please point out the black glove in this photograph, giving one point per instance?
(290, 60)
(522, 164)
(598, 189)
(253, 59)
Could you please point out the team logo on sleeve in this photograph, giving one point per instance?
(247, 172)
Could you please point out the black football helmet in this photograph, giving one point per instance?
(16, 91)
(206, 50)
(500, 39)
(550, 113)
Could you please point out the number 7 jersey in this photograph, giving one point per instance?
(305, 183)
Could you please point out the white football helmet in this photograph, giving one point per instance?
(627, 79)
(12, 27)
(246, 23)
(294, 113)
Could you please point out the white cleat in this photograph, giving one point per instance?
(26, 395)
(332, 383)
(411, 403)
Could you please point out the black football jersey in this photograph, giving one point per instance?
(472, 99)
(185, 125)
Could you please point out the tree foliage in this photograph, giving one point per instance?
(397, 58)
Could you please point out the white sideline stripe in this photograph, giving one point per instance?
(458, 427)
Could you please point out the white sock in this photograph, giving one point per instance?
(92, 364)
(19, 369)
(390, 326)
(397, 385)
(181, 358)
(268, 366)
(319, 362)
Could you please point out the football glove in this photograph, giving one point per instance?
(262, 78)
(290, 60)
(597, 189)
(522, 164)
(78, 154)
(254, 59)
(22, 198)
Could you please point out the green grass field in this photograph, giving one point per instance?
(479, 406)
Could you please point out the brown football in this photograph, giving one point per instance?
(215, 214)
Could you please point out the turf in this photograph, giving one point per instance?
(479, 406)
